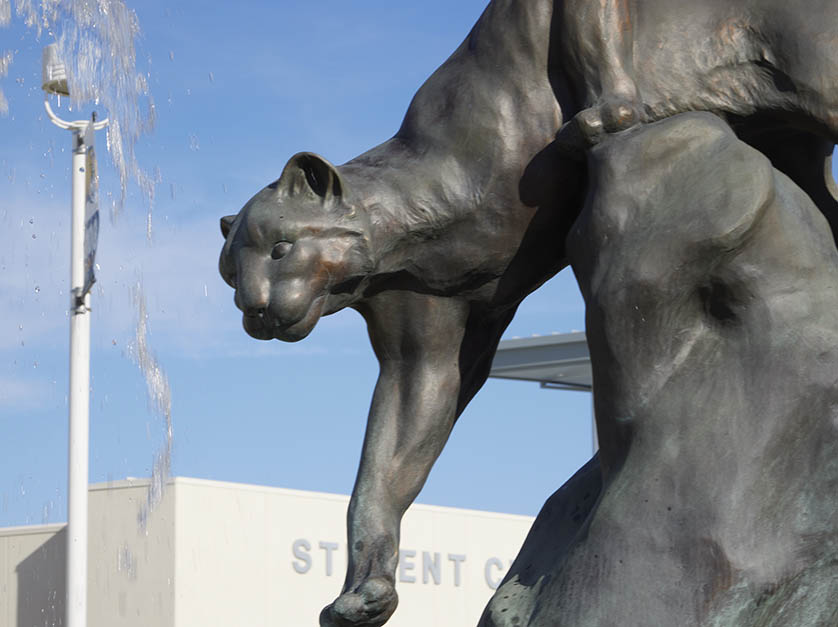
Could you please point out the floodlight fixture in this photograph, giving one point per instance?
(53, 72)
(54, 82)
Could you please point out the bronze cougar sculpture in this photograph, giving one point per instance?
(436, 235)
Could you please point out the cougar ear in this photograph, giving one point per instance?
(307, 172)
(227, 225)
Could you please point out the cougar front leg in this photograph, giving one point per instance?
(417, 340)
(598, 38)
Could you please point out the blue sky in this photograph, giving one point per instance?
(238, 89)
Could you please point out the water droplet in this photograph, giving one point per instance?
(194, 144)
(34, 236)
(211, 77)
(31, 220)
(37, 289)
(171, 55)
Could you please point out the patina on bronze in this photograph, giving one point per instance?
(437, 235)
(711, 290)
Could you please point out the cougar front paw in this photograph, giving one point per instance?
(618, 115)
(371, 605)
(588, 127)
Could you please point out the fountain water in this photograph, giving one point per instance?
(160, 399)
(5, 61)
(96, 40)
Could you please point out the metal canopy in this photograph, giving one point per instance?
(557, 361)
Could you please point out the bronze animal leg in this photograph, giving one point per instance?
(434, 357)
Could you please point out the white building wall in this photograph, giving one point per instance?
(130, 565)
(32, 577)
(222, 554)
(224, 551)
(238, 543)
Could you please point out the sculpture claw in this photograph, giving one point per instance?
(371, 605)
(619, 115)
(588, 127)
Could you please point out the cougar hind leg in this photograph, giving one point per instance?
(598, 39)
(806, 74)
(807, 160)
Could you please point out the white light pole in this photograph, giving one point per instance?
(84, 230)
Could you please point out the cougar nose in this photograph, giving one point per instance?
(253, 288)
(253, 299)
(255, 307)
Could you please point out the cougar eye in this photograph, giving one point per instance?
(281, 249)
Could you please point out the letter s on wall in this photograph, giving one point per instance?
(301, 550)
